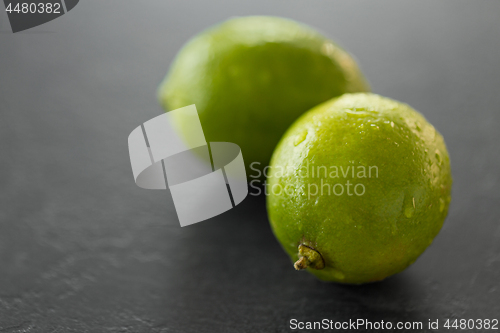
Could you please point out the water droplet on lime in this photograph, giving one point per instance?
(409, 211)
(300, 138)
(338, 274)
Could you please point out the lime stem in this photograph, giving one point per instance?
(309, 257)
(300, 264)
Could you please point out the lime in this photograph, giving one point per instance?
(359, 187)
(251, 77)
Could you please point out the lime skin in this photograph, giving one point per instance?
(361, 237)
(251, 77)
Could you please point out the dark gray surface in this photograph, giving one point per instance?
(82, 248)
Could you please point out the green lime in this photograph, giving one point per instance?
(251, 77)
(359, 187)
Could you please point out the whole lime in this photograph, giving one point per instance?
(251, 77)
(359, 187)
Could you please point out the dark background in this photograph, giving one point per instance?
(83, 249)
